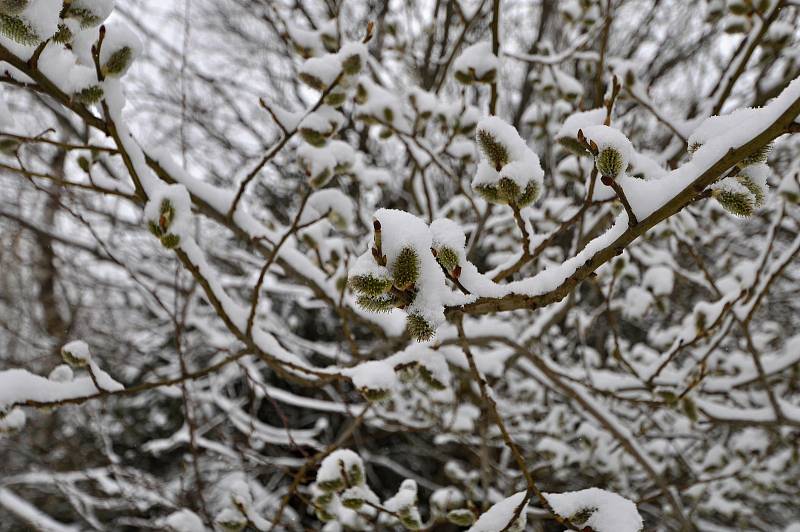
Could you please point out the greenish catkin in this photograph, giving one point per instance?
(405, 269)
(736, 203)
(18, 31)
(492, 149)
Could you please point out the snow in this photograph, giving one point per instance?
(322, 71)
(607, 137)
(580, 120)
(485, 175)
(309, 40)
(31, 514)
(715, 137)
(554, 77)
(637, 301)
(611, 512)
(758, 174)
(659, 280)
(405, 498)
(373, 375)
(423, 102)
(287, 120)
(400, 230)
(316, 161)
(77, 350)
(423, 355)
(343, 153)
(447, 498)
(326, 120)
(184, 521)
(353, 49)
(42, 17)
(447, 233)
(523, 171)
(500, 514)
(179, 198)
(99, 9)
(728, 368)
(340, 207)
(61, 373)
(82, 42)
(380, 105)
(647, 166)
(462, 149)
(18, 386)
(330, 468)
(118, 37)
(477, 60)
(13, 421)
(523, 166)
(60, 66)
(550, 278)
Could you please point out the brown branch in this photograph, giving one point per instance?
(675, 204)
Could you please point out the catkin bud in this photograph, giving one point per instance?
(488, 192)
(8, 145)
(331, 485)
(13, 7)
(738, 203)
(739, 7)
(468, 76)
(313, 137)
(447, 257)
(351, 65)
(336, 97)
(355, 474)
(89, 95)
(370, 285)
(85, 17)
(461, 517)
(757, 192)
(170, 240)
(353, 498)
(493, 150)
(154, 228)
(429, 379)
(375, 395)
(63, 35)
(610, 162)
(419, 328)
(410, 521)
(508, 190)
(406, 268)
(382, 303)
(529, 195)
(324, 515)
(689, 408)
(17, 30)
(119, 62)
(573, 146)
(76, 354)
(757, 157)
(324, 499)
(230, 520)
(321, 179)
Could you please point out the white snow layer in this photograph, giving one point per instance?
(500, 514)
(477, 58)
(609, 512)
